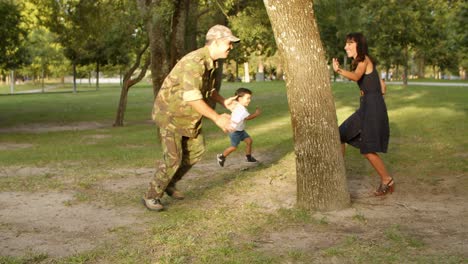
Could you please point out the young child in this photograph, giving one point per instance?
(238, 116)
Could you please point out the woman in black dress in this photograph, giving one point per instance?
(366, 129)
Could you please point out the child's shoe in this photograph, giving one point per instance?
(249, 158)
(220, 159)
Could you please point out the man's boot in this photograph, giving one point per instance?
(152, 204)
(174, 193)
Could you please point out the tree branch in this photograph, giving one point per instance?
(142, 73)
(135, 66)
(222, 10)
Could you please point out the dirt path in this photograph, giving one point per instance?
(48, 222)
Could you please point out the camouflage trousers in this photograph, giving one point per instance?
(179, 155)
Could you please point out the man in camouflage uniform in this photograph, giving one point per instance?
(178, 109)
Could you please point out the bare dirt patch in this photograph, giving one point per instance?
(439, 220)
(128, 179)
(43, 222)
(19, 171)
(13, 146)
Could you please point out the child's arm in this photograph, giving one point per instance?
(254, 115)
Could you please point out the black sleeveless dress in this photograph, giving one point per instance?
(368, 128)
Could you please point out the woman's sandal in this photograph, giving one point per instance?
(384, 189)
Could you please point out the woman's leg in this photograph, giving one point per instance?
(379, 166)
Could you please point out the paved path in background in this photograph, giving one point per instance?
(432, 83)
(46, 88)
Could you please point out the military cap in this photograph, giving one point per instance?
(220, 31)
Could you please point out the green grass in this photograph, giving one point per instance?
(437, 80)
(428, 143)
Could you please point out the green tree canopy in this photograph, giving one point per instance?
(12, 36)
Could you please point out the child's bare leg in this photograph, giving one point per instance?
(228, 151)
(248, 148)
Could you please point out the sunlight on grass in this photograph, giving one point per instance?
(230, 214)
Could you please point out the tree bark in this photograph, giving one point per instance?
(191, 26)
(97, 75)
(157, 42)
(321, 180)
(159, 59)
(179, 22)
(12, 81)
(405, 67)
(164, 58)
(74, 77)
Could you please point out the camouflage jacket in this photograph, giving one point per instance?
(192, 78)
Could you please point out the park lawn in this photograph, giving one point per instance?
(437, 80)
(428, 145)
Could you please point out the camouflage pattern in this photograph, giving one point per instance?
(193, 74)
(180, 153)
(191, 78)
(219, 32)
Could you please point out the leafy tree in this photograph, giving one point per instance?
(135, 41)
(335, 20)
(394, 28)
(86, 31)
(251, 24)
(43, 53)
(12, 36)
(158, 16)
(62, 18)
(457, 19)
(321, 180)
(461, 34)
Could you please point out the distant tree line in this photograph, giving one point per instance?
(44, 39)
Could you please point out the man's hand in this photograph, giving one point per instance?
(224, 122)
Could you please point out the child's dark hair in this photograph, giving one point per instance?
(242, 91)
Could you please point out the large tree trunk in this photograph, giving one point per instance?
(179, 22)
(164, 58)
(321, 180)
(157, 38)
(191, 26)
(159, 55)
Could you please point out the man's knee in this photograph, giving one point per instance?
(195, 155)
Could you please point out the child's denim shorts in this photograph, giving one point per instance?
(238, 136)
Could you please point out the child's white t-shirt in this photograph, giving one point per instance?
(238, 116)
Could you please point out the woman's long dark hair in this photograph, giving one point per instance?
(361, 48)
